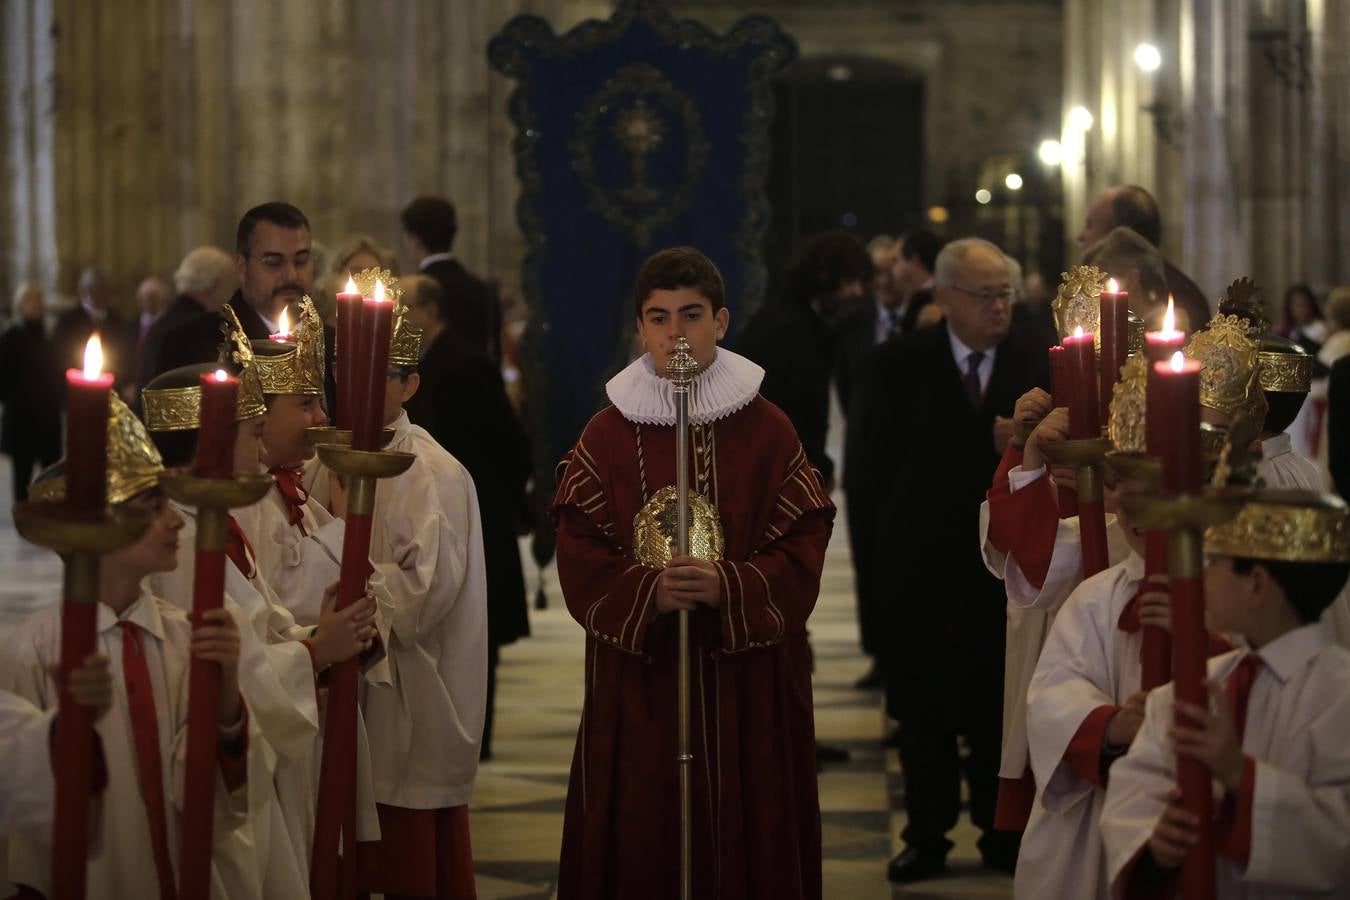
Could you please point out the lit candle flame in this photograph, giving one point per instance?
(93, 357)
(379, 290)
(284, 324)
(221, 375)
(1169, 317)
(1078, 331)
(1112, 287)
(1178, 361)
(351, 286)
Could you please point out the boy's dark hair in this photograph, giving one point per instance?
(177, 448)
(432, 221)
(283, 215)
(1284, 407)
(675, 268)
(1309, 587)
(925, 245)
(825, 262)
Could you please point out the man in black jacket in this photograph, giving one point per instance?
(205, 280)
(275, 266)
(793, 338)
(94, 313)
(931, 452)
(31, 388)
(463, 404)
(429, 228)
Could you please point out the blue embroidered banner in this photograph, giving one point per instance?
(633, 134)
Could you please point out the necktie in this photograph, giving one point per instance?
(145, 733)
(1240, 689)
(895, 323)
(238, 549)
(972, 378)
(293, 493)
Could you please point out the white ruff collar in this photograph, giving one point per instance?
(727, 386)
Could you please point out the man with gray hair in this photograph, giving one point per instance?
(940, 402)
(1137, 267)
(1133, 207)
(205, 279)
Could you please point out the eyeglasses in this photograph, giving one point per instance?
(277, 260)
(988, 295)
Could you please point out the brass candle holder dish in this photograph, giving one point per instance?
(340, 437)
(361, 469)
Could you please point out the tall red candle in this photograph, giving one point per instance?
(1059, 396)
(86, 467)
(1082, 377)
(1113, 322)
(347, 351)
(377, 317)
(219, 423)
(1175, 401)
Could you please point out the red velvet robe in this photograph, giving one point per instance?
(756, 813)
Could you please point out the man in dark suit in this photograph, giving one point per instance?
(93, 313)
(463, 404)
(204, 281)
(275, 267)
(913, 275)
(1133, 207)
(31, 387)
(862, 327)
(931, 450)
(793, 337)
(429, 228)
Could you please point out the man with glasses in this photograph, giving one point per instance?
(932, 439)
(275, 269)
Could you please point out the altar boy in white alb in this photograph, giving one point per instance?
(1275, 732)
(425, 727)
(135, 846)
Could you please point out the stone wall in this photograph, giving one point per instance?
(136, 131)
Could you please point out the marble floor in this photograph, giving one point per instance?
(517, 809)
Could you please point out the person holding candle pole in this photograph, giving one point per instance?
(150, 643)
(759, 529)
(281, 659)
(1273, 731)
(1038, 556)
(427, 541)
(26, 731)
(296, 542)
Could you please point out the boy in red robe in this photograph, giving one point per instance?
(756, 816)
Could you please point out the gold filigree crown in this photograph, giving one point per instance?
(1285, 366)
(405, 338)
(1077, 303)
(1127, 426)
(133, 462)
(1289, 526)
(177, 406)
(294, 366)
(654, 529)
(1230, 368)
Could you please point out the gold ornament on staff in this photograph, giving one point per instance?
(682, 368)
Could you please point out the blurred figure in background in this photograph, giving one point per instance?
(913, 278)
(862, 327)
(1311, 425)
(1303, 323)
(361, 251)
(152, 295)
(93, 313)
(1138, 268)
(1033, 311)
(793, 337)
(204, 280)
(30, 391)
(430, 226)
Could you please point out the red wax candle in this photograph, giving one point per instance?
(1081, 369)
(1059, 396)
(219, 422)
(347, 351)
(1174, 407)
(377, 316)
(1113, 321)
(86, 466)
